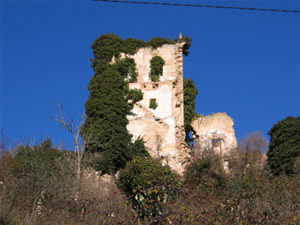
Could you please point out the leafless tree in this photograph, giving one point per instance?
(254, 142)
(250, 155)
(80, 143)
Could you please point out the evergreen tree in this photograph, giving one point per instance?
(284, 146)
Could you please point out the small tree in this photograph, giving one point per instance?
(75, 131)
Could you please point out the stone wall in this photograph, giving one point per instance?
(214, 132)
(161, 128)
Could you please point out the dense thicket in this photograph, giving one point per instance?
(190, 93)
(284, 146)
(38, 186)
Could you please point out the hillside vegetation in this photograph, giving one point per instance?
(110, 179)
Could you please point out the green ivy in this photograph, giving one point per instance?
(111, 99)
(156, 65)
(190, 93)
(153, 104)
(131, 45)
(186, 46)
(127, 68)
(159, 41)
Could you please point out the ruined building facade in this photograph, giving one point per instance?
(162, 126)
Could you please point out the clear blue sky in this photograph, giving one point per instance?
(245, 63)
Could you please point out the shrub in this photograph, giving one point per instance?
(148, 185)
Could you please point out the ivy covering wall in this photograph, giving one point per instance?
(156, 65)
(111, 100)
(190, 94)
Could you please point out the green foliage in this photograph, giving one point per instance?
(203, 166)
(153, 104)
(149, 185)
(187, 45)
(138, 149)
(31, 160)
(156, 65)
(105, 47)
(190, 93)
(110, 99)
(131, 45)
(127, 69)
(160, 41)
(134, 95)
(106, 122)
(206, 173)
(284, 146)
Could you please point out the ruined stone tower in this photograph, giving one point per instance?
(161, 127)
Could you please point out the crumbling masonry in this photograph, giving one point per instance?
(159, 117)
(162, 128)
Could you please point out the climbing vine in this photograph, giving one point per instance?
(190, 93)
(156, 65)
(111, 100)
(153, 104)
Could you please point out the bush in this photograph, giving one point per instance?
(148, 185)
